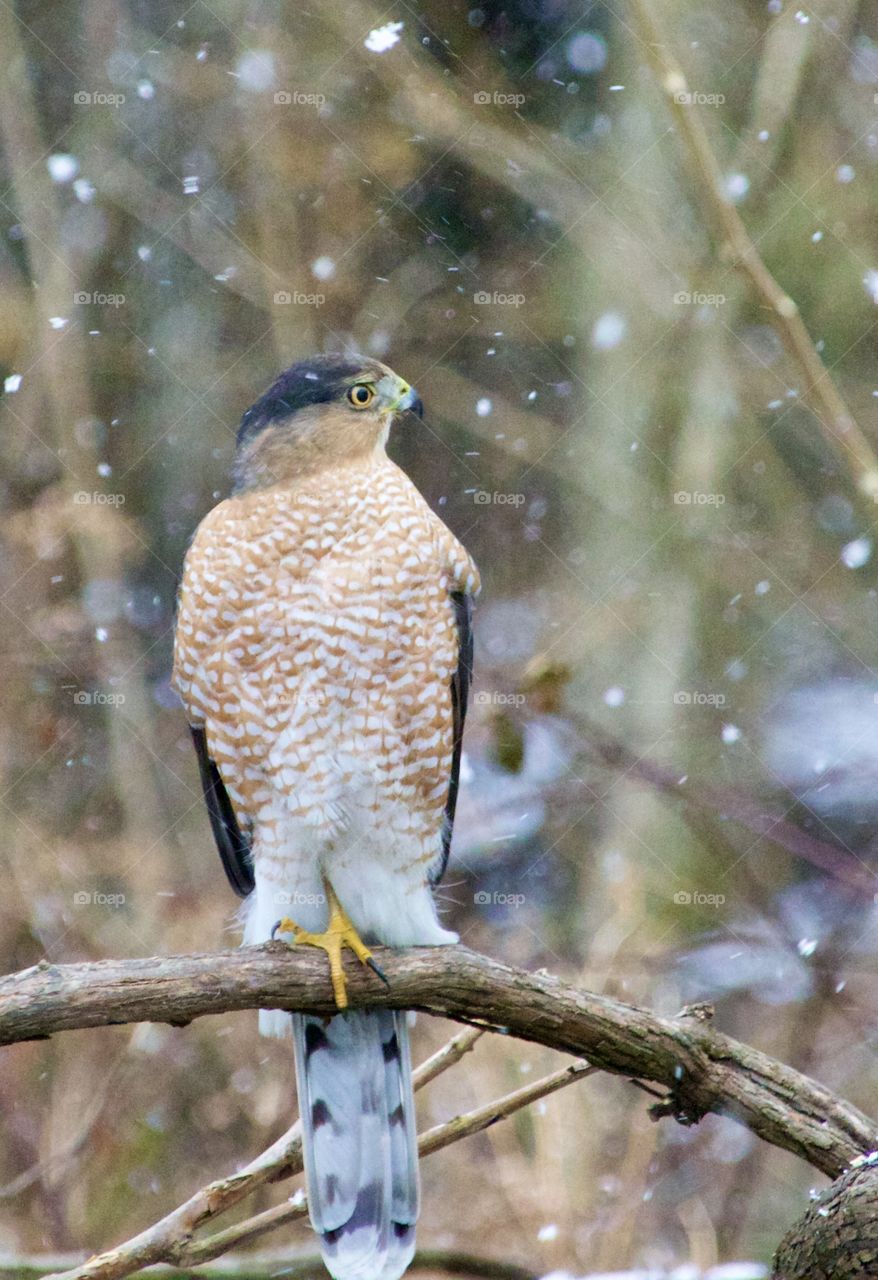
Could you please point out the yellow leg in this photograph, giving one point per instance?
(339, 933)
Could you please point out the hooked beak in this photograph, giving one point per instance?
(413, 402)
(401, 397)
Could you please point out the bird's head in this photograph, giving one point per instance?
(325, 411)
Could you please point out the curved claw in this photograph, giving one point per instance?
(376, 968)
(284, 925)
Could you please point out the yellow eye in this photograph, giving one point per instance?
(361, 395)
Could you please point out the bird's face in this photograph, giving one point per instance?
(381, 396)
(326, 411)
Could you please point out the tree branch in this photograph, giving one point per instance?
(701, 1069)
(269, 1265)
(171, 1240)
(833, 860)
(735, 246)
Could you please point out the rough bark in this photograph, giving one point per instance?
(700, 1069)
(837, 1239)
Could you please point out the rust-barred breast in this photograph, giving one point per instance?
(316, 643)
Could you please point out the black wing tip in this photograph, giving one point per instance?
(233, 845)
(460, 683)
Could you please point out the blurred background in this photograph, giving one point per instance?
(671, 776)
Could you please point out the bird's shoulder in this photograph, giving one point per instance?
(453, 557)
(252, 542)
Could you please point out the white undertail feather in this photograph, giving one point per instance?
(353, 1071)
(359, 1139)
(380, 904)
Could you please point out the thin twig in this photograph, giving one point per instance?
(170, 1240)
(269, 1264)
(447, 1056)
(734, 245)
(483, 1117)
(830, 859)
(282, 1159)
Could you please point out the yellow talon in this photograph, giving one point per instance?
(339, 933)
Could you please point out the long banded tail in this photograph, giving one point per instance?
(359, 1139)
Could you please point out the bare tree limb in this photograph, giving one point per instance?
(271, 1263)
(447, 1056)
(435, 1139)
(164, 1239)
(171, 1240)
(833, 860)
(735, 246)
(701, 1069)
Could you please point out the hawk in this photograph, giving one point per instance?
(323, 651)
